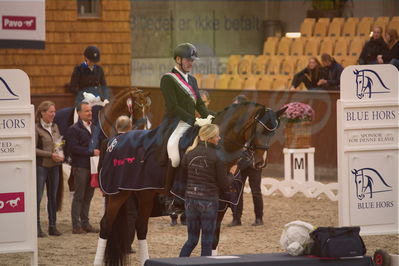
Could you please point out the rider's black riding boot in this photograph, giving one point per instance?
(169, 178)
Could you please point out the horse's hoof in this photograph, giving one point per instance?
(173, 222)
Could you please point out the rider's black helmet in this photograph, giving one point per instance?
(92, 53)
(185, 50)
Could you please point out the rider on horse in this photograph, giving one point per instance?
(89, 77)
(182, 99)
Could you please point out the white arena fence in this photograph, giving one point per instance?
(311, 189)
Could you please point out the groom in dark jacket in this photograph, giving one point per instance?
(82, 144)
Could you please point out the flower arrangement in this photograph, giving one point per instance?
(298, 112)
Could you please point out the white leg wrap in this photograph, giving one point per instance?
(143, 251)
(214, 252)
(99, 258)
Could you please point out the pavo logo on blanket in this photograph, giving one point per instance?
(6, 93)
(369, 82)
(368, 182)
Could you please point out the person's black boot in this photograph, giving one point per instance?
(258, 221)
(52, 230)
(40, 232)
(235, 222)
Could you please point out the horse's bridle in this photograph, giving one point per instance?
(249, 144)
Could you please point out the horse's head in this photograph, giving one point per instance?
(264, 127)
(249, 126)
(132, 102)
(359, 180)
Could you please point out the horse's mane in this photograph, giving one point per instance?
(118, 98)
(234, 106)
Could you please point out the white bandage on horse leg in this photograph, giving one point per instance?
(214, 252)
(143, 251)
(99, 258)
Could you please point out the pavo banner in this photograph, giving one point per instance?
(22, 24)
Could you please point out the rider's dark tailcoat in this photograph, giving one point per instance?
(179, 105)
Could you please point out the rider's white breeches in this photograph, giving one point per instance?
(173, 143)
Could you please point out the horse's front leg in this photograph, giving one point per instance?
(145, 203)
(217, 233)
(114, 203)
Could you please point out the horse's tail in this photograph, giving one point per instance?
(118, 243)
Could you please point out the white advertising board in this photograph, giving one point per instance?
(368, 148)
(22, 24)
(18, 232)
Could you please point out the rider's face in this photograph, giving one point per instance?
(185, 64)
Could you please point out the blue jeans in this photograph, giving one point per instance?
(201, 215)
(51, 178)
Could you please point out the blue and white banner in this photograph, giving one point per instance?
(368, 148)
(22, 24)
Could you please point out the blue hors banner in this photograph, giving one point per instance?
(368, 148)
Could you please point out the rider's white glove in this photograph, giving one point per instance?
(105, 102)
(210, 117)
(202, 121)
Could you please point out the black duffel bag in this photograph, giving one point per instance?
(337, 242)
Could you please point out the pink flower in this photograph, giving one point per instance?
(297, 112)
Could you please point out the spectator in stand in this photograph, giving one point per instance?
(331, 73)
(392, 56)
(89, 77)
(48, 162)
(374, 49)
(254, 176)
(205, 97)
(309, 76)
(82, 146)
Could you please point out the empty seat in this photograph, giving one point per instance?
(232, 64)
(364, 26)
(245, 65)
(338, 20)
(301, 63)
(297, 46)
(208, 81)
(288, 66)
(284, 46)
(394, 24)
(222, 81)
(274, 66)
(307, 26)
(349, 61)
(381, 22)
(320, 29)
(259, 65)
(335, 27)
(235, 83)
(327, 46)
(251, 82)
(356, 46)
(265, 82)
(280, 83)
(270, 46)
(349, 28)
(341, 47)
(312, 46)
(198, 77)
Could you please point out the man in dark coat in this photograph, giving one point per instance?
(82, 145)
(182, 99)
(374, 49)
(331, 76)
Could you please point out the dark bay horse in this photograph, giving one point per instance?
(242, 126)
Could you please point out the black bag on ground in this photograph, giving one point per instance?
(337, 242)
